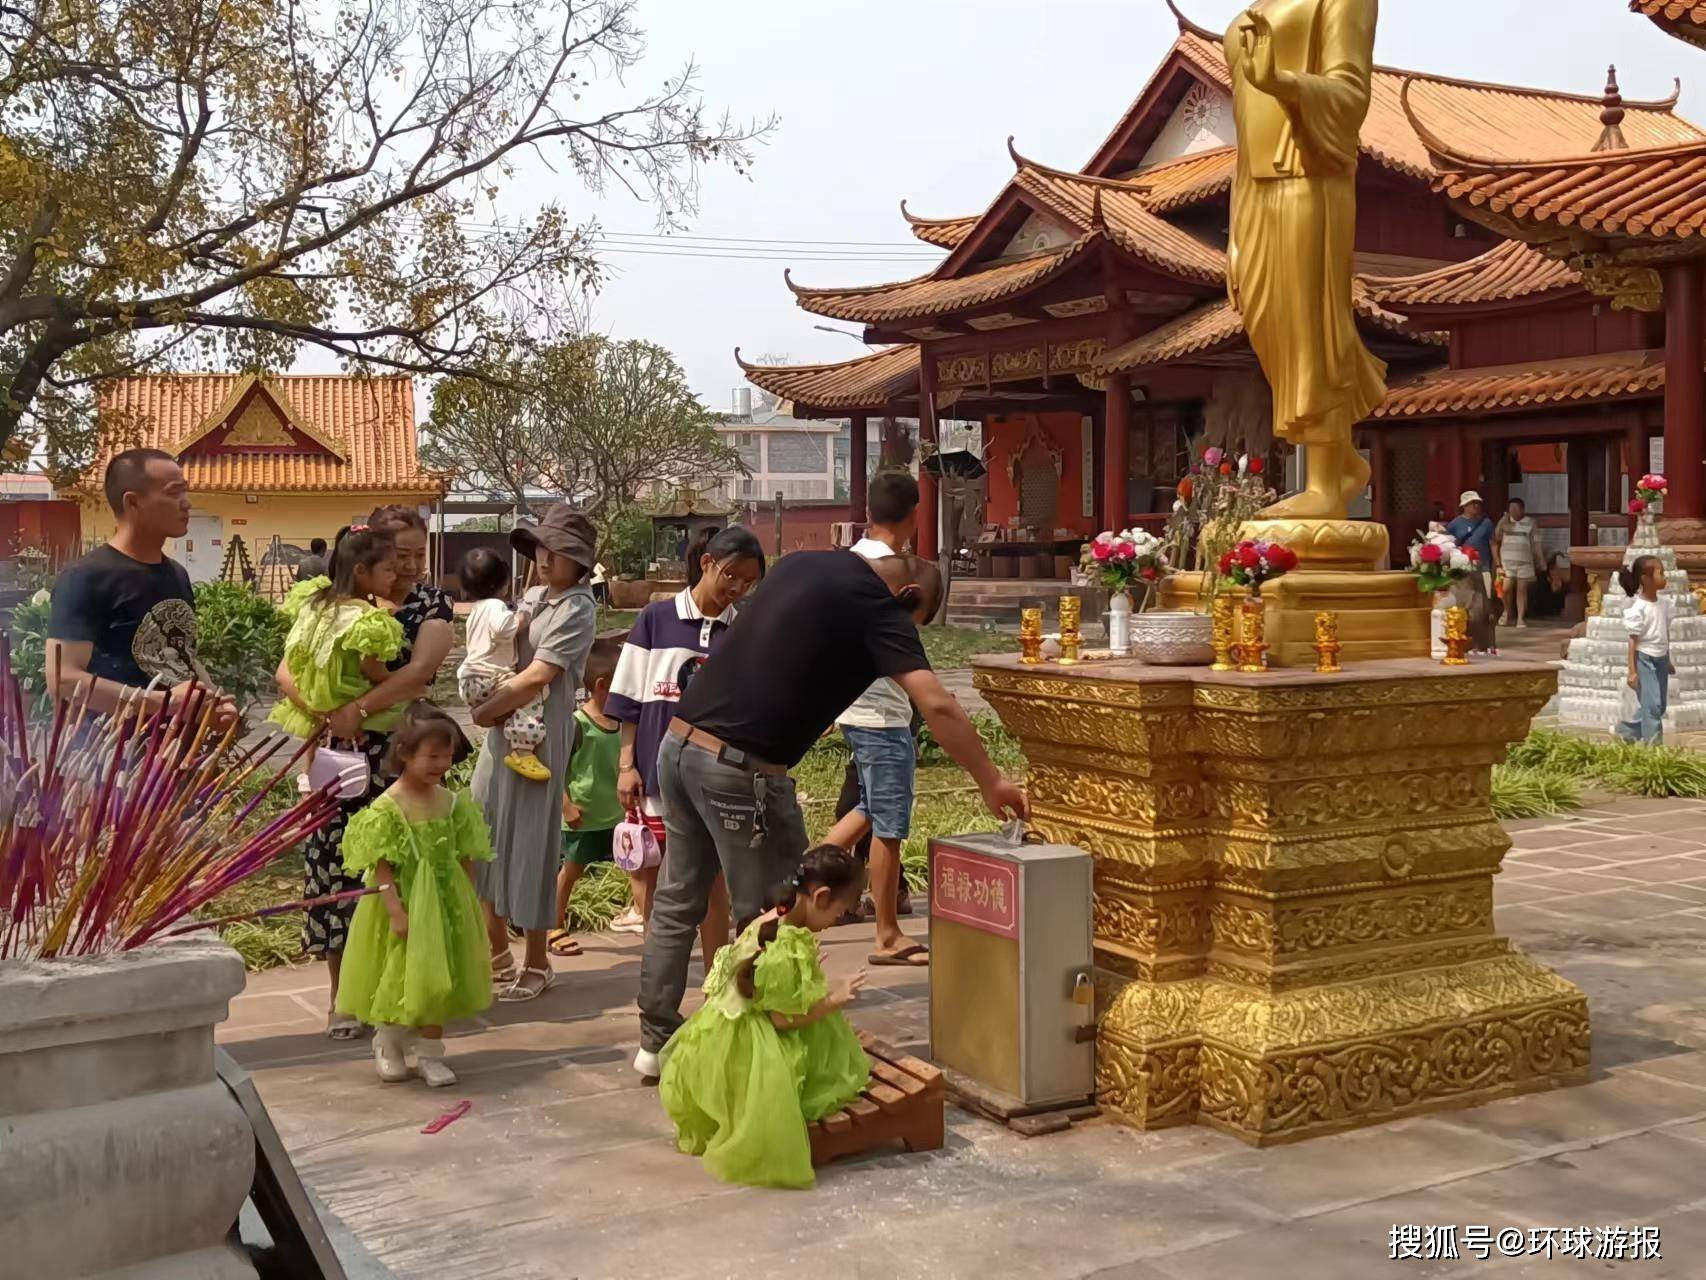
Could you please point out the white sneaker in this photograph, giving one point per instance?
(434, 1070)
(648, 1064)
(390, 1050)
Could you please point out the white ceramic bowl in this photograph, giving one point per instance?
(1172, 638)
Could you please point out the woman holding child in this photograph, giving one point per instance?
(525, 814)
(423, 612)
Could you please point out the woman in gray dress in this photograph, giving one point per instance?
(526, 818)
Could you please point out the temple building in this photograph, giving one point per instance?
(1082, 316)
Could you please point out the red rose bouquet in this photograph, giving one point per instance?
(1251, 563)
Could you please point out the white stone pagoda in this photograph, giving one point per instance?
(1590, 687)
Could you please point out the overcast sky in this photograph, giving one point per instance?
(884, 99)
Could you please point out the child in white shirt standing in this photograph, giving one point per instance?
(492, 630)
(1648, 622)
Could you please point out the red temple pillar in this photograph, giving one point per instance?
(1576, 459)
(929, 510)
(1636, 456)
(1685, 389)
(1116, 452)
(857, 464)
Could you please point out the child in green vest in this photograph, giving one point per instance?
(590, 807)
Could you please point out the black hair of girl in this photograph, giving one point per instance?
(356, 547)
(736, 542)
(1632, 577)
(827, 866)
(422, 723)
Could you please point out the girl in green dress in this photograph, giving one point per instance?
(770, 1051)
(341, 635)
(417, 955)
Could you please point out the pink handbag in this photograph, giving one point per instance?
(634, 846)
(346, 772)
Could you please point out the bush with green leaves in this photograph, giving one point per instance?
(240, 640)
(29, 648)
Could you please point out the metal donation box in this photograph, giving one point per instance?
(1011, 1006)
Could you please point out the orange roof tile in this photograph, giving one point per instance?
(1657, 193)
(1217, 324)
(1684, 18)
(1178, 184)
(1519, 123)
(371, 419)
(929, 295)
(945, 233)
(1511, 269)
(1117, 207)
(1583, 379)
(868, 382)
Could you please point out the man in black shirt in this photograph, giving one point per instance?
(124, 615)
(821, 627)
(312, 565)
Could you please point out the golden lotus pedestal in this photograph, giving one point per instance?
(1294, 887)
(1382, 614)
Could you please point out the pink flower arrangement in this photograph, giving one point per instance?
(1649, 489)
(1437, 561)
(1131, 555)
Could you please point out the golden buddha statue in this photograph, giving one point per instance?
(1300, 89)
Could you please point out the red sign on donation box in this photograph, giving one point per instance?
(976, 891)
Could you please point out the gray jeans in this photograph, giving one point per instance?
(746, 825)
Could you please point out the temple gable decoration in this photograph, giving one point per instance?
(257, 419)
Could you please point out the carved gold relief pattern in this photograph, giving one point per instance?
(1293, 891)
(1067, 357)
(1009, 366)
(961, 371)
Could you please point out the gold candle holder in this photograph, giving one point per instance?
(1456, 637)
(1031, 635)
(1327, 643)
(1225, 615)
(1069, 633)
(1252, 640)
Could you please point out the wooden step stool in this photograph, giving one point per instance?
(903, 1103)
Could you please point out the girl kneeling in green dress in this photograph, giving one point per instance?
(417, 956)
(770, 1051)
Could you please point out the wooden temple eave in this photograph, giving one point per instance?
(1683, 19)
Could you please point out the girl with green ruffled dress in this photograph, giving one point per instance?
(417, 956)
(770, 1051)
(341, 635)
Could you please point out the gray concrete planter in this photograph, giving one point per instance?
(122, 1155)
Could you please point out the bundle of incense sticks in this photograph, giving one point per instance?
(114, 827)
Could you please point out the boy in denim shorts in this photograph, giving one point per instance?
(878, 729)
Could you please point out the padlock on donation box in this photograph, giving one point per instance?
(1011, 996)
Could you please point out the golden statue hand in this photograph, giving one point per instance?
(1259, 69)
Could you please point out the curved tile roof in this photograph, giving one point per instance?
(1509, 270)
(1118, 208)
(1217, 324)
(945, 233)
(868, 382)
(931, 295)
(1583, 379)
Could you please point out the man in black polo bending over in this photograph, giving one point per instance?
(124, 615)
(821, 627)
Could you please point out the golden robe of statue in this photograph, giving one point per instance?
(1300, 88)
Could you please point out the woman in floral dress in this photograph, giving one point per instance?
(425, 614)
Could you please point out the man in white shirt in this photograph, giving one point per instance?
(878, 729)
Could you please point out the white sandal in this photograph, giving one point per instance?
(518, 993)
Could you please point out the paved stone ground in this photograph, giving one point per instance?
(564, 1166)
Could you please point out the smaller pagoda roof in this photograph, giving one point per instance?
(944, 233)
(1658, 193)
(1189, 180)
(1215, 325)
(1684, 19)
(1444, 393)
(934, 294)
(868, 382)
(1509, 271)
(688, 503)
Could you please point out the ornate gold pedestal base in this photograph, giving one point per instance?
(1381, 615)
(1293, 914)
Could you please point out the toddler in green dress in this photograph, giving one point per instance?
(339, 639)
(417, 955)
(770, 1051)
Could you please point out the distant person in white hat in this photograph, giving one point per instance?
(1472, 529)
